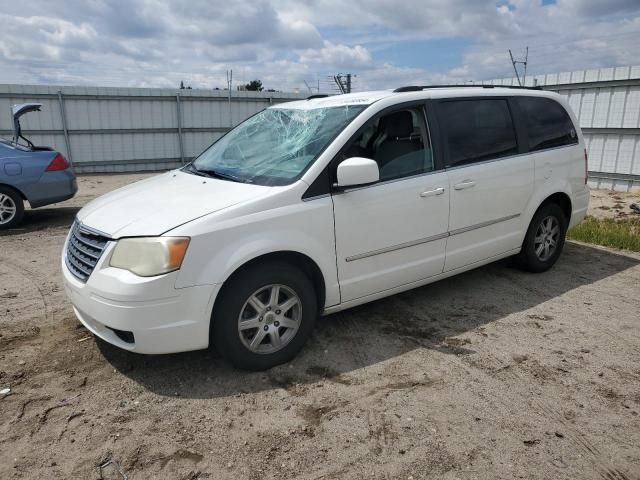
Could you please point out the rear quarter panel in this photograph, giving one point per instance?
(561, 170)
(558, 170)
(23, 170)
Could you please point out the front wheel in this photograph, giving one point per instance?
(545, 238)
(264, 316)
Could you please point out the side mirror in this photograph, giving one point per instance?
(357, 171)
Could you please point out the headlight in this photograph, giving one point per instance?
(149, 256)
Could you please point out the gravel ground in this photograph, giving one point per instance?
(493, 374)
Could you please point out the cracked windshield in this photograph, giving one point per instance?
(275, 146)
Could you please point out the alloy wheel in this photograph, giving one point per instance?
(269, 319)
(547, 237)
(8, 209)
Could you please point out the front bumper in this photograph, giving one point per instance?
(162, 318)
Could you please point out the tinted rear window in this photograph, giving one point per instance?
(477, 130)
(547, 123)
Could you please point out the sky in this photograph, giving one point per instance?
(285, 43)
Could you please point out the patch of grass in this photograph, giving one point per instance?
(608, 232)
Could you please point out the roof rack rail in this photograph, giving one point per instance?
(417, 88)
(318, 95)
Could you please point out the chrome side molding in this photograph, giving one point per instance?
(433, 238)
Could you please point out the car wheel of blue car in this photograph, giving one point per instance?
(11, 208)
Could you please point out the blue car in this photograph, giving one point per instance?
(39, 175)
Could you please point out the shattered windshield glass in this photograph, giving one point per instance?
(275, 146)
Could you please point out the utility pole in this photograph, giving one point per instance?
(229, 85)
(524, 61)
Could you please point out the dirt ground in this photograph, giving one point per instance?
(493, 374)
(605, 203)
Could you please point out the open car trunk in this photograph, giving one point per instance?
(17, 112)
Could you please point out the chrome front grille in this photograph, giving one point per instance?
(84, 249)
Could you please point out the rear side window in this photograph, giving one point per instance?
(477, 130)
(547, 123)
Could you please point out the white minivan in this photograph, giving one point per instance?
(315, 206)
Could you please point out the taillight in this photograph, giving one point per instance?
(58, 163)
(586, 166)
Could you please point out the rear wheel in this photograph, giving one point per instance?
(545, 238)
(11, 208)
(264, 316)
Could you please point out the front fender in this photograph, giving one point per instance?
(219, 247)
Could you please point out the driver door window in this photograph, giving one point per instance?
(397, 141)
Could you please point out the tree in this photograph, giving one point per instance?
(254, 86)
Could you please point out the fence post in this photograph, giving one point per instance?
(65, 129)
(180, 142)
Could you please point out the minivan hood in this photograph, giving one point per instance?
(158, 204)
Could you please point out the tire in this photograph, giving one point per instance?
(246, 310)
(545, 238)
(11, 208)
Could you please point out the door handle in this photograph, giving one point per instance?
(431, 193)
(465, 184)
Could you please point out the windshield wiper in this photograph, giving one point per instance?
(224, 176)
(192, 169)
(216, 174)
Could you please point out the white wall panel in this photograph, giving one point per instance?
(196, 142)
(575, 100)
(601, 109)
(595, 149)
(123, 147)
(609, 154)
(635, 166)
(625, 153)
(564, 77)
(617, 107)
(632, 109)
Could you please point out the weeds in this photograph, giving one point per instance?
(617, 233)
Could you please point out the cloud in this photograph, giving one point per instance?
(593, 8)
(285, 42)
(338, 55)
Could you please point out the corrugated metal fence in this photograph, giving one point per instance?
(130, 129)
(607, 104)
